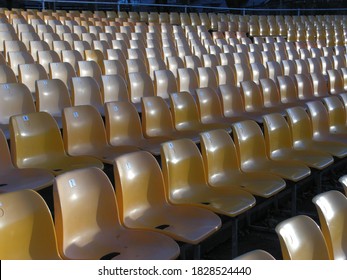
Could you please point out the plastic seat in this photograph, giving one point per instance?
(186, 116)
(85, 91)
(90, 69)
(274, 69)
(288, 91)
(186, 183)
(271, 95)
(15, 179)
(7, 75)
(280, 145)
(222, 166)
(36, 46)
(304, 87)
(59, 46)
(255, 255)
(113, 88)
(26, 228)
(173, 64)
(140, 85)
(136, 66)
(165, 83)
(289, 68)
(187, 80)
(243, 73)
(335, 82)
(62, 71)
(157, 121)
(88, 222)
(72, 57)
(30, 73)
(36, 142)
(247, 134)
(17, 58)
(327, 64)
(123, 128)
(332, 211)
(184, 223)
(301, 239)
(320, 87)
(15, 99)
(47, 57)
(84, 134)
(337, 114)
(226, 75)
(343, 181)
(13, 46)
(258, 72)
(52, 97)
(304, 138)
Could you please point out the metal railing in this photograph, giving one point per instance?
(120, 5)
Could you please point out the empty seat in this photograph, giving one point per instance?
(222, 166)
(337, 114)
(36, 142)
(52, 96)
(89, 227)
(140, 85)
(184, 223)
(7, 75)
(165, 83)
(26, 228)
(47, 57)
(332, 211)
(343, 182)
(15, 99)
(255, 255)
(72, 57)
(335, 82)
(62, 71)
(114, 88)
(18, 58)
(30, 73)
(84, 134)
(15, 179)
(301, 239)
(90, 69)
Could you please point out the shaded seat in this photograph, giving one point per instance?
(222, 166)
(343, 181)
(52, 96)
(255, 255)
(140, 173)
(157, 121)
(247, 137)
(279, 143)
(337, 115)
(186, 116)
(14, 179)
(332, 211)
(113, 88)
(123, 128)
(301, 239)
(7, 75)
(88, 222)
(26, 228)
(15, 98)
(84, 134)
(304, 138)
(36, 142)
(186, 182)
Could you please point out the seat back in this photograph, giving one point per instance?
(319, 118)
(114, 88)
(34, 138)
(165, 83)
(85, 211)
(30, 73)
(122, 123)
(182, 166)
(90, 69)
(219, 153)
(301, 239)
(209, 105)
(337, 112)
(156, 117)
(335, 81)
(207, 77)
(62, 71)
(252, 96)
(226, 75)
(332, 211)
(26, 227)
(52, 96)
(304, 86)
(320, 87)
(7, 75)
(249, 141)
(83, 129)
(187, 80)
(141, 85)
(17, 58)
(231, 99)
(270, 92)
(5, 157)
(288, 91)
(300, 124)
(139, 183)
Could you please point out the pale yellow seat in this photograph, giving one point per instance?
(13, 46)
(47, 57)
(136, 66)
(140, 85)
(140, 173)
(90, 69)
(186, 182)
(52, 96)
(301, 239)
(226, 75)
(84, 134)
(86, 91)
(30, 73)
(6, 74)
(187, 80)
(343, 181)
(332, 211)
(123, 128)
(319, 84)
(222, 166)
(165, 83)
(337, 114)
(157, 122)
(114, 88)
(304, 138)
(279, 143)
(15, 98)
(26, 228)
(335, 82)
(36, 46)
(72, 57)
(17, 58)
(36, 142)
(255, 255)
(247, 134)
(88, 224)
(15, 179)
(186, 115)
(62, 71)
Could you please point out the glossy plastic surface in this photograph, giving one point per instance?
(256, 255)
